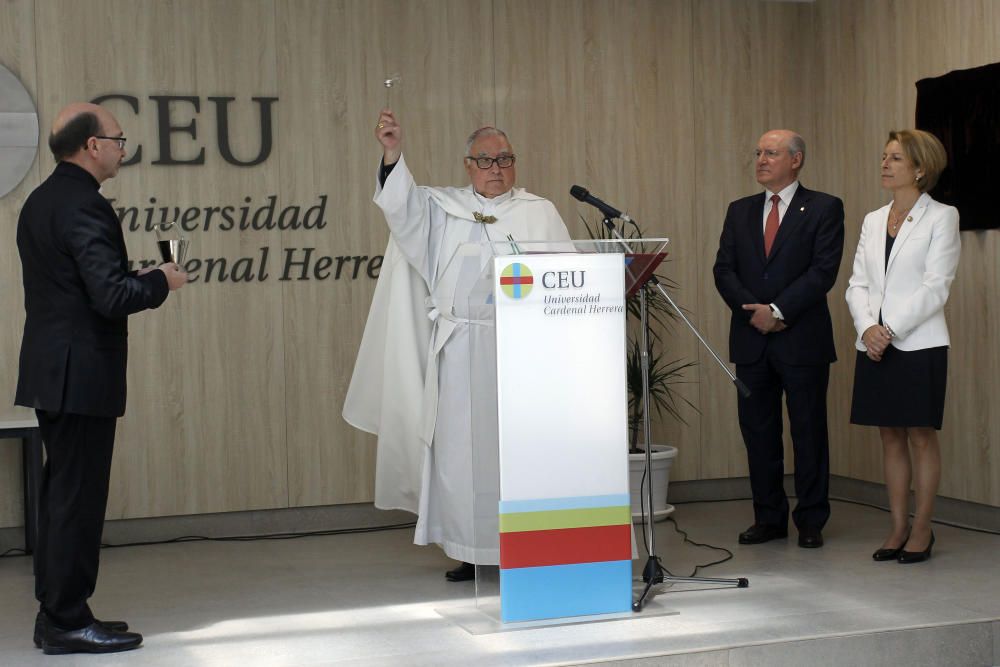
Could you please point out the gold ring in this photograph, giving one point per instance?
(380, 126)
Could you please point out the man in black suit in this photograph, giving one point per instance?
(778, 257)
(78, 294)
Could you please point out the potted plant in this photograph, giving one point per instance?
(664, 375)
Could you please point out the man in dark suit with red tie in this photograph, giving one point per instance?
(778, 257)
(78, 294)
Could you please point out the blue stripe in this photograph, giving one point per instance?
(573, 503)
(582, 589)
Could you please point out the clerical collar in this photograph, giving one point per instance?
(488, 205)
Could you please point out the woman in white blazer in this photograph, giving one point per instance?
(906, 260)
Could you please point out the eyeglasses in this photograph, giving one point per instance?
(769, 153)
(502, 161)
(120, 140)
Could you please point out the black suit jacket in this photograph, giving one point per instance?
(78, 294)
(800, 270)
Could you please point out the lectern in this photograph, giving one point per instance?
(549, 426)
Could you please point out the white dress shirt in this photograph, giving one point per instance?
(786, 195)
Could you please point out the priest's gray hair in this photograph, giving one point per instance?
(798, 145)
(483, 132)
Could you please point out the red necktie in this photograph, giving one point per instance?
(771, 226)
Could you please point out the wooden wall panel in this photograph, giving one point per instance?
(236, 388)
(17, 54)
(204, 431)
(871, 53)
(445, 92)
(853, 138)
(11, 488)
(584, 107)
(745, 84)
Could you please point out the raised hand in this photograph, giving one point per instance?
(390, 135)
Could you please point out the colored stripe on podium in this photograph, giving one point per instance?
(560, 547)
(565, 557)
(568, 518)
(565, 503)
(531, 593)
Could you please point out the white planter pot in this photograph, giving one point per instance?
(662, 459)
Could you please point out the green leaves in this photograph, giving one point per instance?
(665, 375)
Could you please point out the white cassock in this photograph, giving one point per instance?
(412, 383)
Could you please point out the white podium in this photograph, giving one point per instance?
(549, 428)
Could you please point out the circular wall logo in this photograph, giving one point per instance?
(18, 131)
(516, 280)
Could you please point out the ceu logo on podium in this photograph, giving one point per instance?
(516, 280)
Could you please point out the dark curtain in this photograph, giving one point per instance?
(962, 109)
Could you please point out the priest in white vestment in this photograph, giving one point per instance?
(423, 349)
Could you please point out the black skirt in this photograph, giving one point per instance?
(905, 389)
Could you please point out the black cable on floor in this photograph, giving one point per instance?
(729, 554)
(720, 500)
(645, 539)
(14, 552)
(642, 509)
(272, 536)
(239, 538)
(940, 522)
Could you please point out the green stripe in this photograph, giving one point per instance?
(517, 522)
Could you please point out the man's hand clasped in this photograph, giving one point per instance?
(763, 320)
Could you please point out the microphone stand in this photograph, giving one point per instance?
(653, 573)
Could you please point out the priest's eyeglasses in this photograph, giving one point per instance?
(120, 140)
(503, 161)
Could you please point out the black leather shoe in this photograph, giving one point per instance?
(762, 532)
(886, 554)
(95, 638)
(42, 619)
(464, 572)
(810, 538)
(907, 557)
(890, 554)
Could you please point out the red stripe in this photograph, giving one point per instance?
(516, 280)
(538, 548)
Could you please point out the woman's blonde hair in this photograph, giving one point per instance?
(926, 153)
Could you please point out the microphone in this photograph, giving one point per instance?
(609, 211)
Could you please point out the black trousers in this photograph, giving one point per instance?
(74, 498)
(804, 388)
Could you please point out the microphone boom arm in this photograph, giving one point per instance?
(740, 386)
